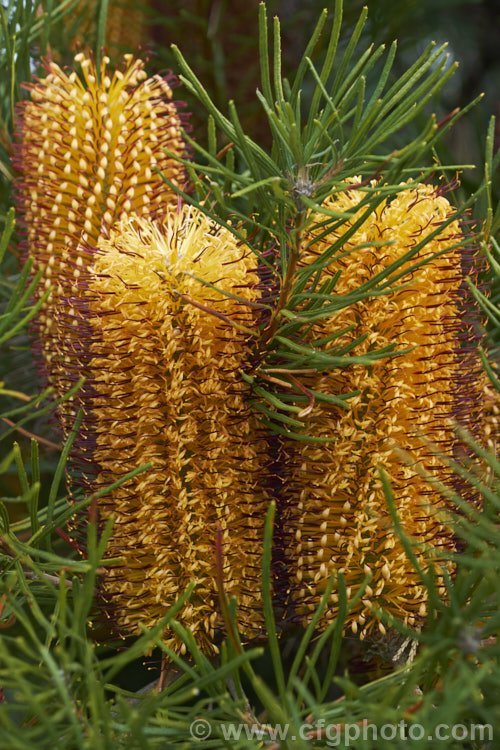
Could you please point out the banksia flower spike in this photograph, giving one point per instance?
(126, 24)
(161, 352)
(339, 519)
(87, 151)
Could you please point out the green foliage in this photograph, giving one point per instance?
(344, 130)
(25, 27)
(61, 687)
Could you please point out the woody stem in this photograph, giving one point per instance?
(286, 287)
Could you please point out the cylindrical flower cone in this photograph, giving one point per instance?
(127, 28)
(161, 352)
(88, 150)
(127, 25)
(339, 518)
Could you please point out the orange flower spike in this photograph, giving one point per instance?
(340, 519)
(163, 385)
(87, 154)
(127, 24)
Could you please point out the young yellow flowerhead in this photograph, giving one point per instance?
(90, 148)
(161, 348)
(339, 518)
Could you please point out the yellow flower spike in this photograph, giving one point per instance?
(407, 401)
(87, 152)
(128, 27)
(163, 385)
(126, 24)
